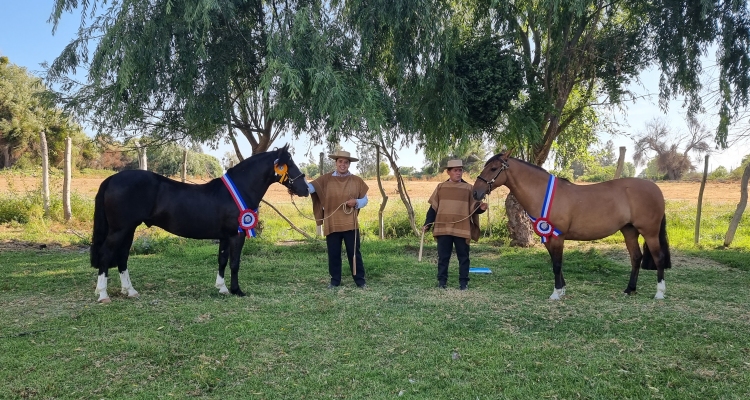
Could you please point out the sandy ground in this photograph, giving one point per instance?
(715, 192)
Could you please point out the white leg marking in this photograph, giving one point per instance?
(661, 288)
(557, 294)
(127, 287)
(101, 289)
(220, 285)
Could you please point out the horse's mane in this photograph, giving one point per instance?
(496, 157)
(282, 154)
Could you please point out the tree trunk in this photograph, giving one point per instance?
(66, 180)
(700, 203)
(740, 208)
(236, 146)
(6, 156)
(45, 172)
(620, 163)
(142, 157)
(401, 187)
(382, 193)
(184, 164)
(519, 227)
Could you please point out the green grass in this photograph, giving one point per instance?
(292, 338)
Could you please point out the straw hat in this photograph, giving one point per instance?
(454, 164)
(342, 154)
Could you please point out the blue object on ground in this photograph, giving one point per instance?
(480, 270)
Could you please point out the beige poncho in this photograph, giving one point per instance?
(330, 192)
(453, 202)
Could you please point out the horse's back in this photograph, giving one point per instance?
(601, 209)
(129, 197)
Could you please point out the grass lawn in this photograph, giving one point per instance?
(401, 337)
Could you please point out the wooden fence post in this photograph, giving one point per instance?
(45, 171)
(68, 168)
(700, 203)
(620, 162)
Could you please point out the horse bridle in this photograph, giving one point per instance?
(489, 183)
(291, 180)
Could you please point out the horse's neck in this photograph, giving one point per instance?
(252, 183)
(528, 185)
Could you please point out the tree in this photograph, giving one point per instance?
(26, 109)
(658, 139)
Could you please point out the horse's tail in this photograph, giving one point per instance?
(648, 260)
(101, 227)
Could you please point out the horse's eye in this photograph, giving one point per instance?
(493, 169)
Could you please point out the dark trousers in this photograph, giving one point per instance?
(445, 244)
(333, 243)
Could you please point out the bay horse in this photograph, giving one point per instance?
(586, 212)
(206, 211)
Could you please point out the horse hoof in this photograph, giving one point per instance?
(659, 296)
(557, 294)
(105, 300)
(134, 295)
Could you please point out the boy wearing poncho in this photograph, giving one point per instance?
(454, 216)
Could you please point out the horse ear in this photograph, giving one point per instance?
(507, 154)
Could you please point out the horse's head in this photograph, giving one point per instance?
(492, 175)
(289, 174)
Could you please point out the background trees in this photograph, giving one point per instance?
(672, 153)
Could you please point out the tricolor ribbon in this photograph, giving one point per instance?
(248, 218)
(542, 226)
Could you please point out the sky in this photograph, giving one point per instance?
(26, 39)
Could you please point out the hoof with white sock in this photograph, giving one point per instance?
(557, 294)
(101, 289)
(661, 288)
(127, 286)
(220, 285)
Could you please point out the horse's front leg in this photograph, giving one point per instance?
(555, 248)
(235, 251)
(223, 259)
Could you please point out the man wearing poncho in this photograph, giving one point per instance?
(453, 214)
(337, 198)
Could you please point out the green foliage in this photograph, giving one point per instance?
(167, 160)
(491, 79)
(737, 172)
(719, 173)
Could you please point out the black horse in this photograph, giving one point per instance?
(207, 211)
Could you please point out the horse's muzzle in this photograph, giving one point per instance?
(479, 195)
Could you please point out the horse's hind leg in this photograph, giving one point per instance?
(223, 258)
(631, 241)
(109, 256)
(122, 264)
(555, 247)
(654, 247)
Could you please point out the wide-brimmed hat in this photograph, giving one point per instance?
(454, 164)
(342, 154)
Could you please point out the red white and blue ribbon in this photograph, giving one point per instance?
(248, 218)
(541, 225)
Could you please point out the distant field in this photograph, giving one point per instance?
(716, 192)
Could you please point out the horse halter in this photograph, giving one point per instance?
(489, 183)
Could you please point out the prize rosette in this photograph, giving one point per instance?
(281, 170)
(248, 219)
(542, 227)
